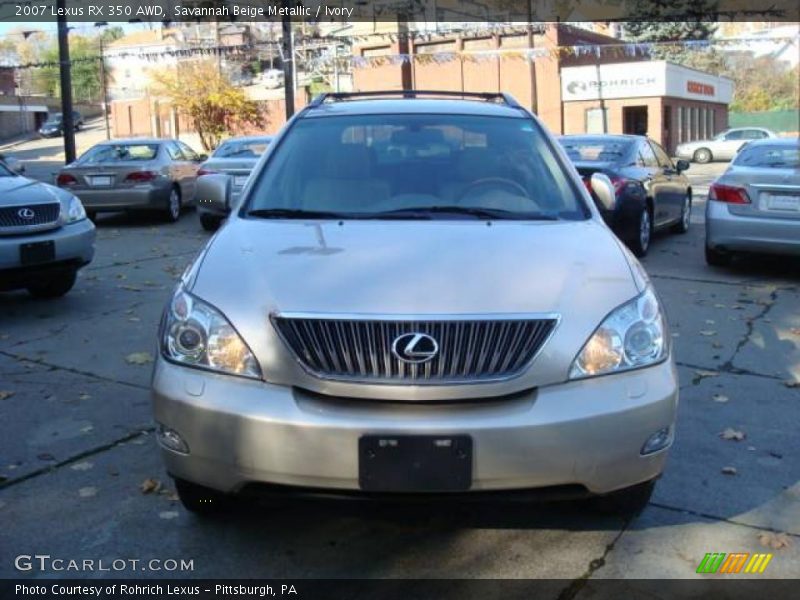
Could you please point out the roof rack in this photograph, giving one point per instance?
(503, 97)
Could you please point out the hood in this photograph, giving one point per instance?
(21, 190)
(230, 164)
(254, 268)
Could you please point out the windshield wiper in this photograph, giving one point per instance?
(423, 212)
(295, 213)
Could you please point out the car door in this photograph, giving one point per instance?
(192, 162)
(730, 144)
(178, 170)
(675, 184)
(655, 183)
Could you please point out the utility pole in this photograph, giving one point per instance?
(534, 89)
(105, 88)
(66, 83)
(288, 60)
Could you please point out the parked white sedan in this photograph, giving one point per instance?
(722, 147)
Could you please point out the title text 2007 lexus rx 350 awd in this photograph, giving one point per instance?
(414, 295)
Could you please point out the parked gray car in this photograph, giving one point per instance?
(755, 205)
(134, 174)
(723, 146)
(45, 236)
(235, 157)
(415, 295)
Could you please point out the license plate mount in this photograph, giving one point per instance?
(415, 463)
(100, 180)
(35, 253)
(783, 202)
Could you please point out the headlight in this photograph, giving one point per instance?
(632, 336)
(75, 211)
(196, 334)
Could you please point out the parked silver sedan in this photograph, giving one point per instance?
(134, 174)
(235, 157)
(723, 146)
(755, 205)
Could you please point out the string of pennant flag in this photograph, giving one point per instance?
(620, 50)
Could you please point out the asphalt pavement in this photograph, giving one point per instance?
(81, 476)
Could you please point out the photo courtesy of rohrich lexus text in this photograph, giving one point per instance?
(399, 299)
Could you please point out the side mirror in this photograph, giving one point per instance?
(214, 191)
(682, 165)
(201, 157)
(604, 190)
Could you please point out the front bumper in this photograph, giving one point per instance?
(145, 197)
(587, 433)
(74, 248)
(729, 232)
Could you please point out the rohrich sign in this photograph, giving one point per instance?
(643, 80)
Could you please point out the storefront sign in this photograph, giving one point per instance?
(642, 80)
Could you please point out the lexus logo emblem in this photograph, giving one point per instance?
(415, 348)
(26, 213)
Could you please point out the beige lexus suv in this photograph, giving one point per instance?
(414, 295)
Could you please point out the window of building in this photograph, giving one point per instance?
(595, 120)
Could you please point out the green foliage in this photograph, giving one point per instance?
(85, 57)
(217, 108)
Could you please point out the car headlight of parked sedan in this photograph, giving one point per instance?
(196, 334)
(632, 336)
(75, 211)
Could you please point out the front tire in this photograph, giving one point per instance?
(55, 286)
(628, 502)
(682, 226)
(200, 499)
(174, 205)
(703, 156)
(715, 258)
(640, 244)
(210, 222)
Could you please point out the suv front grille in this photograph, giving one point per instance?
(470, 350)
(35, 214)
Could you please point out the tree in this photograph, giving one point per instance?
(214, 105)
(85, 57)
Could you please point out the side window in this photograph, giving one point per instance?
(663, 160)
(735, 135)
(647, 157)
(174, 152)
(188, 153)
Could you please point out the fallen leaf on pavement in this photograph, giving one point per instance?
(150, 485)
(708, 332)
(168, 514)
(719, 306)
(700, 374)
(791, 384)
(87, 492)
(45, 456)
(729, 470)
(709, 321)
(733, 434)
(4, 394)
(130, 288)
(82, 466)
(795, 331)
(139, 358)
(776, 541)
(84, 396)
(721, 398)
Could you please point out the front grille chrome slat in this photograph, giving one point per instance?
(26, 215)
(360, 349)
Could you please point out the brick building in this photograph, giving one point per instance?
(490, 64)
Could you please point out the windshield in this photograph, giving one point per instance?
(54, 120)
(769, 156)
(594, 150)
(242, 148)
(417, 165)
(118, 153)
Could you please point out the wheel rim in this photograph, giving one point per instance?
(174, 204)
(702, 156)
(687, 213)
(644, 230)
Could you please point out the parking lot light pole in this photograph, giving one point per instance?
(288, 61)
(66, 83)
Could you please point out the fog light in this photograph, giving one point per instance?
(658, 441)
(171, 439)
